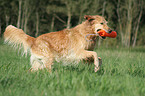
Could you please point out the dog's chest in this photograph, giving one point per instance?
(90, 44)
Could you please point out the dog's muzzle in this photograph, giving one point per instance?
(102, 37)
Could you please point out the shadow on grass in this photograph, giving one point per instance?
(79, 68)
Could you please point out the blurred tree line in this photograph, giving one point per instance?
(37, 17)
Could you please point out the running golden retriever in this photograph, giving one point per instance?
(67, 45)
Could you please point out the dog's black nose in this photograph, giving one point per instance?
(110, 31)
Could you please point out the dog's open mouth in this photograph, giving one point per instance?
(103, 34)
(102, 37)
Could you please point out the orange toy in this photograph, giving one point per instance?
(103, 33)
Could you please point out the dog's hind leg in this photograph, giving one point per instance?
(41, 63)
(36, 63)
(48, 62)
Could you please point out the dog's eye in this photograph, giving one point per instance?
(101, 23)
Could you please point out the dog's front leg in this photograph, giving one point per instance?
(90, 54)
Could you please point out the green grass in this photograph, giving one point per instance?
(122, 74)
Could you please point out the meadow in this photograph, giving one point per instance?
(122, 74)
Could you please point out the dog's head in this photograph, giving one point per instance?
(97, 23)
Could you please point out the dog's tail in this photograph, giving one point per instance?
(17, 38)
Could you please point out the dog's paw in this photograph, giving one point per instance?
(96, 69)
(33, 70)
(100, 63)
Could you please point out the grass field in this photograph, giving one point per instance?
(122, 74)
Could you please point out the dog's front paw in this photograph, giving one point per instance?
(100, 63)
(96, 69)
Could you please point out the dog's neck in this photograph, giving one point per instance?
(84, 28)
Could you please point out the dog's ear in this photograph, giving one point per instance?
(89, 18)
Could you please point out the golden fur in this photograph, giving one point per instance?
(66, 45)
